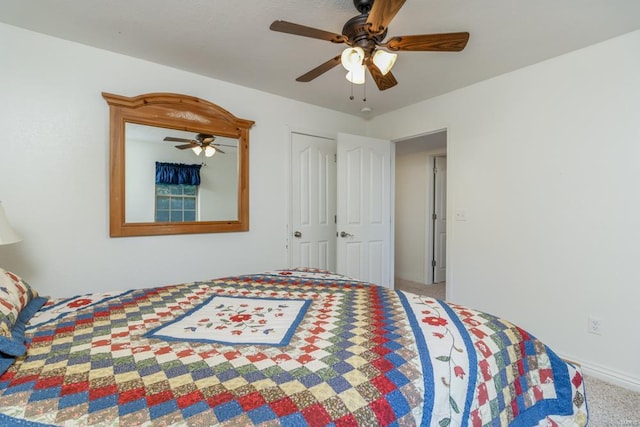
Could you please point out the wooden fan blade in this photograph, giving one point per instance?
(320, 69)
(382, 13)
(219, 150)
(301, 30)
(171, 138)
(185, 146)
(445, 42)
(383, 81)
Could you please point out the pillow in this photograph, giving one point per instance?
(18, 303)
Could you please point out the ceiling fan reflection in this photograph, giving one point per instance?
(203, 143)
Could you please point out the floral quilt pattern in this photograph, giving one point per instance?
(493, 372)
(54, 309)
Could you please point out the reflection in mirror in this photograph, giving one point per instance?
(149, 198)
(156, 135)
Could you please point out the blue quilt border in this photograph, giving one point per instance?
(425, 359)
(9, 421)
(562, 404)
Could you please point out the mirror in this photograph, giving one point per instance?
(160, 135)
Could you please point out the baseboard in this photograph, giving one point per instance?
(608, 375)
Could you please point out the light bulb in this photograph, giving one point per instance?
(197, 150)
(352, 57)
(384, 60)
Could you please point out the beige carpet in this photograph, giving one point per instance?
(609, 405)
(436, 290)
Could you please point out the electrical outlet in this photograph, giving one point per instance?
(594, 326)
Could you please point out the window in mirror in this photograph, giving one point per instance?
(176, 202)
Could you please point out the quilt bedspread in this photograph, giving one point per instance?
(291, 348)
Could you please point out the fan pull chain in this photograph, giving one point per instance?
(364, 92)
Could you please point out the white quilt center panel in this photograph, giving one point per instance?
(237, 320)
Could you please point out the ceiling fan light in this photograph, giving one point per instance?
(352, 57)
(356, 75)
(197, 150)
(209, 151)
(384, 60)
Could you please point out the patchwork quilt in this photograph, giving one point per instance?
(284, 348)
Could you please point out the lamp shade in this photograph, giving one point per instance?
(352, 57)
(197, 150)
(384, 60)
(356, 75)
(209, 151)
(7, 233)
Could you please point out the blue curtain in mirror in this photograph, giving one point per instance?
(177, 173)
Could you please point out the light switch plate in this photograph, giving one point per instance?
(461, 215)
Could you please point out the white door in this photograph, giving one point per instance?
(364, 209)
(440, 221)
(312, 239)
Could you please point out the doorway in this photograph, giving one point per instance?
(420, 209)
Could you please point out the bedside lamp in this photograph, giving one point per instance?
(7, 233)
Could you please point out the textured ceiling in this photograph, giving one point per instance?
(231, 41)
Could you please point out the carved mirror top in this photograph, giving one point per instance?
(183, 113)
(175, 110)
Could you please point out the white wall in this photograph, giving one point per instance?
(545, 162)
(54, 161)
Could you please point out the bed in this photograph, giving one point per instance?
(289, 347)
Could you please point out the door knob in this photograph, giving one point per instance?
(297, 234)
(345, 234)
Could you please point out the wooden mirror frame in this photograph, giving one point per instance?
(181, 112)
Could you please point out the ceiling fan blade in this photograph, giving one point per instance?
(171, 138)
(445, 42)
(320, 69)
(301, 30)
(185, 146)
(382, 12)
(219, 150)
(383, 81)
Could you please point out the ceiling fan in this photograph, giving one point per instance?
(365, 34)
(202, 142)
